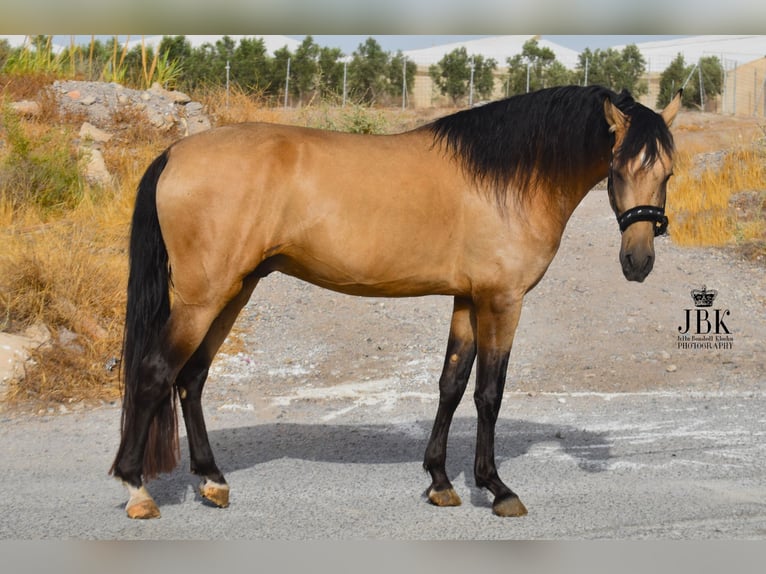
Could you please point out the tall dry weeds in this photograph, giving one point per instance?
(704, 201)
(65, 268)
(69, 277)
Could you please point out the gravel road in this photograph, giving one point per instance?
(320, 408)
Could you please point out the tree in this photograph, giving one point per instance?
(368, 72)
(304, 70)
(709, 69)
(330, 72)
(278, 72)
(5, 52)
(535, 68)
(200, 68)
(399, 65)
(613, 69)
(178, 49)
(484, 76)
(249, 64)
(671, 80)
(452, 74)
(711, 72)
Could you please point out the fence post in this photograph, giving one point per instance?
(404, 83)
(287, 81)
(587, 63)
(345, 74)
(228, 67)
(470, 92)
(527, 77)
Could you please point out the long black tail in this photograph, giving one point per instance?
(148, 309)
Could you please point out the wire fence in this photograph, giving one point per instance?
(743, 86)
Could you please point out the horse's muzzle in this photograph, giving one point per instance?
(636, 264)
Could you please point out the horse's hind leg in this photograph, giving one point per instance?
(181, 335)
(190, 383)
(461, 351)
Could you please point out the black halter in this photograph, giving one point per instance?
(638, 213)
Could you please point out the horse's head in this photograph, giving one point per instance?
(642, 163)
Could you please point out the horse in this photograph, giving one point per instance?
(472, 205)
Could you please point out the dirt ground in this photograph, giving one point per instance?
(584, 328)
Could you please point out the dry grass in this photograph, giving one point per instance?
(706, 205)
(237, 106)
(66, 267)
(68, 276)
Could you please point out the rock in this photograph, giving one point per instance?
(14, 352)
(172, 96)
(193, 109)
(164, 109)
(196, 120)
(94, 167)
(196, 124)
(26, 108)
(69, 340)
(90, 132)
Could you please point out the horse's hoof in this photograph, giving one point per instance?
(216, 493)
(510, 506)
(446, 497)
(141, 505)
(143, 509)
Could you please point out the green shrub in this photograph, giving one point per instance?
(42, 173)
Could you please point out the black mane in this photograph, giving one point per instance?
(648, 132)
(545, 137)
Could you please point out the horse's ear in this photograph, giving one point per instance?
(618, 122)
(670, 111)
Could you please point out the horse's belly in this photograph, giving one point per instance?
(367, 280)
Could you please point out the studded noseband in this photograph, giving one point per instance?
(639, 213)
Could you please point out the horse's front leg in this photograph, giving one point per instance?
(497, 319)
(461, 352)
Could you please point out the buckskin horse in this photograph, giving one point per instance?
(472, 205)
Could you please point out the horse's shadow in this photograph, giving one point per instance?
(245, 447)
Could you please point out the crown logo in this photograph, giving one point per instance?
(703, 297)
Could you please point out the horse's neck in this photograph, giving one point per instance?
(579, 187)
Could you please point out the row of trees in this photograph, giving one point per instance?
(370, 75)
(536, 67)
